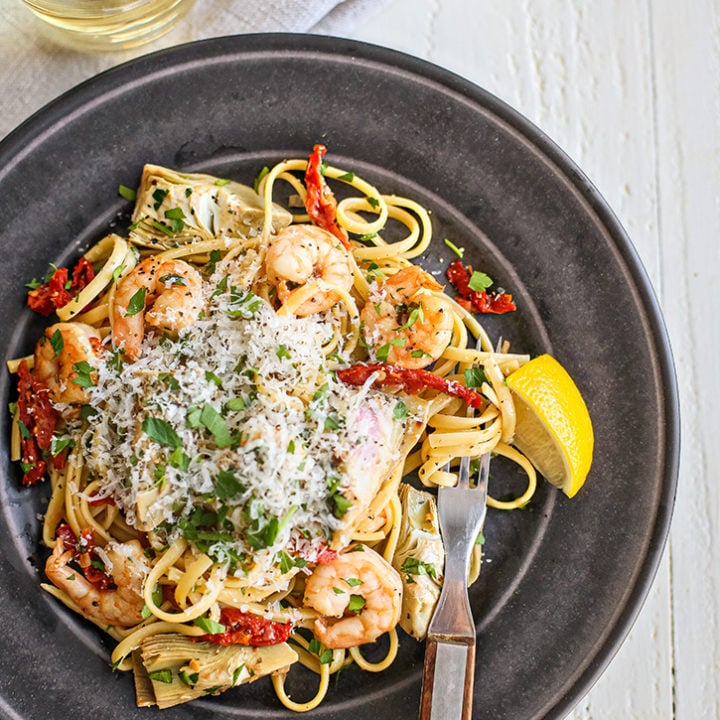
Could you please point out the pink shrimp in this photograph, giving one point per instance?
(166, 294)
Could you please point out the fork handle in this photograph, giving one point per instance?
(448, 675)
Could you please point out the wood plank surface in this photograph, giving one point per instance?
(630, 89)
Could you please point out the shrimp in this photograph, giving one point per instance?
(166, 294)
(122, 605)
(359, 595)
(58, 357)
(404, 323)
(301, 253)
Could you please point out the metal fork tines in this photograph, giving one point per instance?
(450, 647)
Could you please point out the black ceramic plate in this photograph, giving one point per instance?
(563, 579)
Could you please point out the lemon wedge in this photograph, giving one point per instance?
(553, 425)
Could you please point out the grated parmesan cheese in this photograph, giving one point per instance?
(238, 436)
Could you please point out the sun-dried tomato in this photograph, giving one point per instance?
(243, 628)
(411, 380)
(51, 295)
(34, 466)
(478, 301)
(64, 531)
(83, 549)
(59, 290)
(107, 500)
(320, 201)
(39, 421)
(83, 273)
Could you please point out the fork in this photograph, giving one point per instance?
(449, 670)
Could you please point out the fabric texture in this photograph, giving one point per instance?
(34, 69)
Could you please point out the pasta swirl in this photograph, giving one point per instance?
(229, 483)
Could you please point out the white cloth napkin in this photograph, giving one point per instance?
(35, 70)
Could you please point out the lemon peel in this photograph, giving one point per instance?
(553, 428)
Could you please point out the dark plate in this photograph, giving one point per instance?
(567, 577)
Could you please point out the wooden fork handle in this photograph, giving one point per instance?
(448, 675)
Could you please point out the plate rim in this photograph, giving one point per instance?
(14, 146)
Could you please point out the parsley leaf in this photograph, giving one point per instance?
(136, 304)
(260, 176)
(340, 505)
(227, 485)
(262, 533)
(161, 432)
(413, 566)
(216, 425)
(243, 305)
(163, 676)
(400, 410)
(457, 250)
(177, 219)
(179, 459)
(57, 342)
(474, 377)
(356, 604)
(209, 626)
(325, 654)
(382, 352)
(172, 279)
(158, 196)
(479, 281)
(127, 193)
(84, 377)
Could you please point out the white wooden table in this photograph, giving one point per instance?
(630, 89)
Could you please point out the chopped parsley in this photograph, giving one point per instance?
(83, 377)
(242, 304)
(177, 220)
(163, 676)
(400, 410)
(136, 303)
(356, 604)
(479, 281)
(57, 342)
(260, 176)
(127, 193)
(413, 566)
(161, 432)
(457, 250)
(324, 654)
(158, 196)
(209, 626)
(474, 377)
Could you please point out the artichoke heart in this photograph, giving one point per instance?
(171, 668)
(174, 209)
(383, 444)
(419, 558)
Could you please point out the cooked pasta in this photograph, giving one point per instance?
(230, 411)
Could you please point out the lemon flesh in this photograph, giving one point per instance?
(553, 427)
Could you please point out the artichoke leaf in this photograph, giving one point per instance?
(382, 448)
(181, 669)
(173, 209)
(144, 693)
(420, 558)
